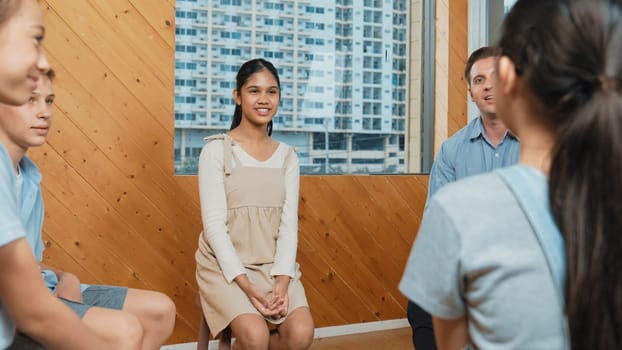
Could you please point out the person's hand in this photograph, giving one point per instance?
(68, 287)
(280, 300)
(257, 298)
(267, 307)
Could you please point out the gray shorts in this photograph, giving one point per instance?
(108, 297)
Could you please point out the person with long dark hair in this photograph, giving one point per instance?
(530, 257)
(246, 261)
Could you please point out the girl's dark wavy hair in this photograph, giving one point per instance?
(246, 71)
(569, 53)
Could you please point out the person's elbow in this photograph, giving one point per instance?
(34, 315)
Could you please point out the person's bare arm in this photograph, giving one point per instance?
(34, 310)
(451, 334)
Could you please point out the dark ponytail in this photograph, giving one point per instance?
(569, 53)
(246, 71)
(586, 201)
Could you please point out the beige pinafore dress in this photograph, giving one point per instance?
(255, 198)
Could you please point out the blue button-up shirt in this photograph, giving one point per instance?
(469, 152)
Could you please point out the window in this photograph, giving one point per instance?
(331, 99)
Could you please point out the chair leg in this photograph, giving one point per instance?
(225, 339)
(203, 342)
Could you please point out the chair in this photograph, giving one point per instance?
(203, 342)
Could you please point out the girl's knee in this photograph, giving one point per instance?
(251, 333)
(298, 336)
(254, 338)
(298, 331)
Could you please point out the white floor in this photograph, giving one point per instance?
(323, 332)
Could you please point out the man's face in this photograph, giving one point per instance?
(480, 90)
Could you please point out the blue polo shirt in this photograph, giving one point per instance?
(469, 152)
(11, 229)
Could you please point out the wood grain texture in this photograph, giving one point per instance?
(393, 339)
(451, 99)
(116, 214)
(458, 54)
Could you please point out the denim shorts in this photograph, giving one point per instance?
(108, 297)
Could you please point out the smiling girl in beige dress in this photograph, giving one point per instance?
(246, 261)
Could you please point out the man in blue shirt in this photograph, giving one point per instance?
(484, 144)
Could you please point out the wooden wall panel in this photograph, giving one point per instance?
(116, 214)
(451, 100)
(458, 54)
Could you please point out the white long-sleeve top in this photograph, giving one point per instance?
(214, 207)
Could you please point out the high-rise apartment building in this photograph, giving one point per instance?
(343, 70)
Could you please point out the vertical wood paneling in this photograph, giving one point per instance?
(413, 161)
(116, 214)
(451, 56)
(458, 54)
(441, 73)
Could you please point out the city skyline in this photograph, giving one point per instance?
(343, 71)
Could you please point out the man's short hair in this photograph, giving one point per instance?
(481, 53)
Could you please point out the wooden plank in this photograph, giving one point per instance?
(392, 207)
(458, 54)
(342, 235)
(415, 189)
(113, 48)
(88, 249)
(56, 256)
(380, 240)
(161, 17)
(92, 83)
(330, 298)
(135, 30)
(394, 339)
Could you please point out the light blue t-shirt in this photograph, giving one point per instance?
(469, 152)
(11, 229)
(32, 212)
(31, 205)
(476, 256)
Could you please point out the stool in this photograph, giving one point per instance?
(203, 342)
